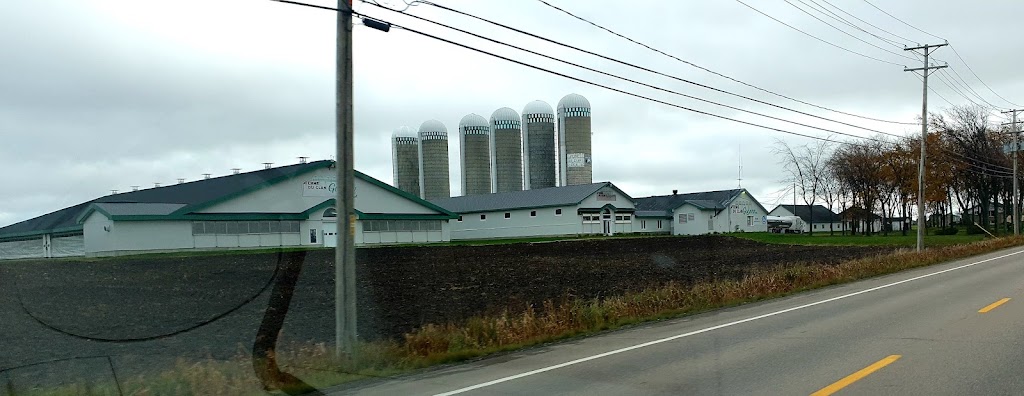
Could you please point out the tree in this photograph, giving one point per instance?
(806, 167)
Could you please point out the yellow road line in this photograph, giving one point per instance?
(993, 305)
(864, 372)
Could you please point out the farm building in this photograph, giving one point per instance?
(823, 219)
(701, 213)
(285, 206)
(596, 208)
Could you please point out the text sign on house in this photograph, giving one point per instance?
(603, 196)
(320, 187)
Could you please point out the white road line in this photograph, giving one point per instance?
(712, 328)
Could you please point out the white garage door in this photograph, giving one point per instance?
(330, 234)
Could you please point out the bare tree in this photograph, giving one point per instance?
(806, 168)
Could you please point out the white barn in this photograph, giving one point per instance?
(702, 213)
(289, 206)
(597, 208)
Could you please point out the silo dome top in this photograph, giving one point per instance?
(538, 107)
(403, 131)
(573, 101)
(504, 114)
(473, 120)
(433, 126)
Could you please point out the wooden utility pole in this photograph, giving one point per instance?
(1016, 188)
(925, 71)
(345, 254)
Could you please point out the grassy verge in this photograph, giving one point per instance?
(823, 238)
(516, 328)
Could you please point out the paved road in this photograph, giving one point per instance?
(918, 332)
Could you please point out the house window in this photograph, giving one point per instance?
(619, 218)
(533, 213)
(312, 235)
(460, 219)
(659, 223)
(483, 217)
(643, 224)
(558, 212)
(508, 215)
(750, 221)
(627, 218)
(682, 218)
(331, 212)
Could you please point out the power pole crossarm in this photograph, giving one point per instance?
(926, 70)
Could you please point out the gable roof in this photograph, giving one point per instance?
(537, 198)
(155, 201)
(663, 205)
(402, 193)
(804, 212)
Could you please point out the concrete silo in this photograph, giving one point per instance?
(506, 151)
(434, 160)
(538, 145)
(574, 162)
(475, 155)
(405, 160)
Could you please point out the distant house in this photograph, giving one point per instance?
(702, 213)
(816, 217)
(857, 220)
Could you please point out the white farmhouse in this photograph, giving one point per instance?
(702, 213)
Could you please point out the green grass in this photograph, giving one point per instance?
(893, 240)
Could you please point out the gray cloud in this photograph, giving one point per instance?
(107, 94)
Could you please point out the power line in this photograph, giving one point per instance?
(847, 33)
(902, 21)
(951, 47)
(976, 94)
(816, 37)
(689, 63)
(979, 78)
(647, 70)
(829, 13)
(866, 22)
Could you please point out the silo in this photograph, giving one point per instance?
(434, 160)
(506, 151)
(574, 162)
(538, 145)
(475, 155)
(405, 160)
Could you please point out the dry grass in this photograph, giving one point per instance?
(441, 343)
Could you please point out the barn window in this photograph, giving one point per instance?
(643, 224)
(460, 218)
(558, 212)
(659, 223)
(483, 217)
(750, 220)
(508, 215)
(331, 212)
(533, 213)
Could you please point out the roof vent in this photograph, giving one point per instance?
(675, 192)
(112, 192)
(181, 180)
(268, 165)
(303, 160)
(206, 176)
(235, 171)
(156, 184)
(135, 188)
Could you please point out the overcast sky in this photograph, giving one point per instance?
(102, 95)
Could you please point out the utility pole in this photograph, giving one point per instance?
(345, 254)
(1016, 188)
(924, 135)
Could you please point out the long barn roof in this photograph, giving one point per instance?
(160, 200)
(536, 198)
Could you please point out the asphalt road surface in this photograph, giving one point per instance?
(950, 329)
